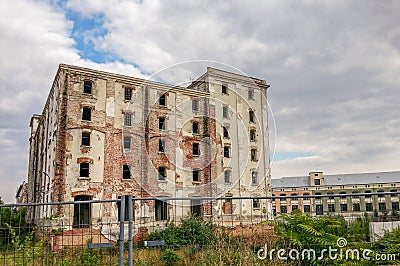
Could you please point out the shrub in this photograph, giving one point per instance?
(192, 231)
(170, 257)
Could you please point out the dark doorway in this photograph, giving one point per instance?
(82, 212)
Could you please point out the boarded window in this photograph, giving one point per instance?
(127, 142)
(195, 105)
(128, 94)
(128, 119)
(228, 176)
(225, 111)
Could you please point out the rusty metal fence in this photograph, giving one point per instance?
(92, 232)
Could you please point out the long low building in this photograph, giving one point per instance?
(351, 193)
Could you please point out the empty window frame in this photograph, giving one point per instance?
(253, 155)
(162, 101)
(250, 94)
(382, 206)
(225, 111)
(307, 208)
(127, 142)
(127, 119)
(162, 173)
(256, 204)
(228, 176)
(84, 169)
(254, 178)
(225, 132)
(195, 207)
(128, 94)
(196, 149)
(252, 117)
(87, 113)
(196, 175)
(283, 209)
(369, 207)
(343, 207)
(87, 86)
(161, 145)
(162, 124)
(319, 209)
(126, 172)
(195, 105)
(252, 135)
(85, 139)
(356, 207)
(227, 152)
(331, 207)
(317, 181)
(161, 210)
(224, 89)
(195, 128)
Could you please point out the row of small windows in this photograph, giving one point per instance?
(356, 207)
(225, 90)
(253, 153)
(87, 116)
(252, 134)
(345, 195)
(228, 177)
(84, 171)
(88, 86)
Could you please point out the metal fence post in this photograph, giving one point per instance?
(130, 230)
(121, 231)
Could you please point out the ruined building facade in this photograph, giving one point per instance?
(103, 135)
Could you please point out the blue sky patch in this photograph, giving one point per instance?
(84, 33)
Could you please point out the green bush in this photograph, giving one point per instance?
(192, 231)
(170, 257)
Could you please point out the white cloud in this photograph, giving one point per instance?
(35, 39)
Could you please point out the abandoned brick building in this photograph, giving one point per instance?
(103, 135)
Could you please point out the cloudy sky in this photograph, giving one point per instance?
(333, 67)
